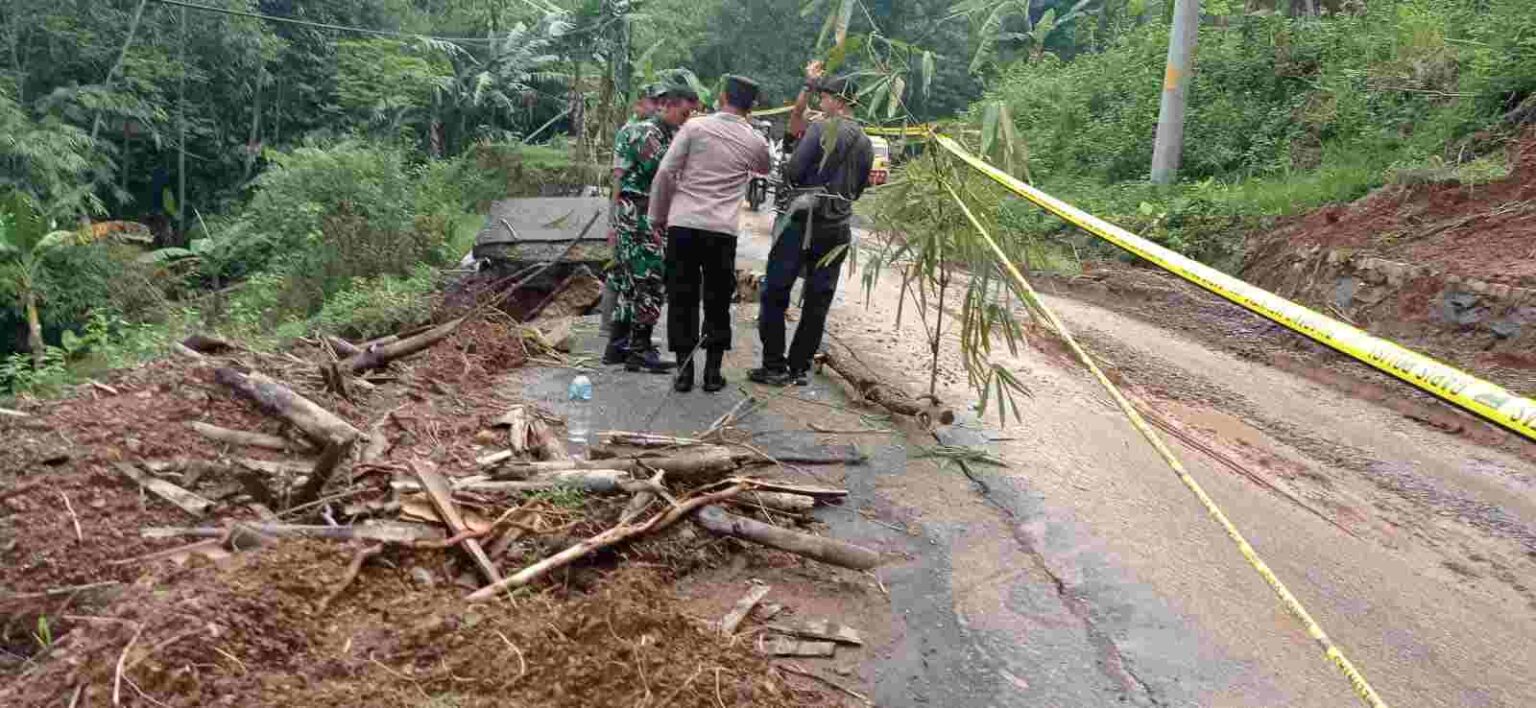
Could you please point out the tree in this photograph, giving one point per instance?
(27, 236)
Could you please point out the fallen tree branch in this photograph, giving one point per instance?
(183, 499)
(691, 467)
(376, 356)
(324, 467)
(720, 522)
(394, 532)
(244, 437)
(613, 536)
(278, 400)
(889, 397)
(204, 344)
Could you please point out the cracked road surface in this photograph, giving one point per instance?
(1084, 574)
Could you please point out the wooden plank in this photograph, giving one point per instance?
(743, 607)
(441, 495)
(821, 629)
(786, 646)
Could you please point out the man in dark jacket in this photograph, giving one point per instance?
(828, 172)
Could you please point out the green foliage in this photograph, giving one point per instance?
(1284, 114)
(383, 80)
(47, 159)
(373, 307)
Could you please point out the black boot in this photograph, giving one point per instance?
(684, 381)
(618, 343)
(643, 355)
(713, 380)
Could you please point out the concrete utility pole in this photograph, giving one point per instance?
(1170, 120)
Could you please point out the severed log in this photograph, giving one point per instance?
(324, 467)
(183, 499)
(204, 344)
(391, 532)
(343, 347)
(743, 607)
(182, 350)
(377, 355)
(777, 501)
(719, 521)
(14, 414)
(245, 437)
(275, 399)
(613, 536)
(887, 396)
(441, 495)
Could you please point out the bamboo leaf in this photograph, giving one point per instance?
(989, 121)
(898, 88)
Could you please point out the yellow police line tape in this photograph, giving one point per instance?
(1356, 680)
(1489, 400)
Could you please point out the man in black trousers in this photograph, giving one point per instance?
(696, 198)
(826, 174)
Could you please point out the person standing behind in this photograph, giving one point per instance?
(644, 106)
(827, 173)
(697, 199)
(638, 273)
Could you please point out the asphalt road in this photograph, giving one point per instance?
(1085, 574)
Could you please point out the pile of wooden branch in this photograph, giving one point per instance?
(504, 504)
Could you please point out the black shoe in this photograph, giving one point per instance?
(649, 361)
(713, 381)
(643, 355)
(771, 377)
(800, 378)
(684, 381)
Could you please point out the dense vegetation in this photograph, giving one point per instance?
(1285, 112)
(316, 166)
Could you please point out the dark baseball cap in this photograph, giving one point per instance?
(840, 86)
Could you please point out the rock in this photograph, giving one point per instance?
(1344, 292)
(1505, 329)
(1477, 286)
(423, 577)
(1499, 291)
(1461, 308)
(1396, 272)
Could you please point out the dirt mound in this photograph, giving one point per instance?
(204, 635)
(1448, 269)
(246, 620)
(1482, 231)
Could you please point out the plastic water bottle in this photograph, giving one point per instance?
(579, 424)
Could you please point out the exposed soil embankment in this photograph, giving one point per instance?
(1445, 268)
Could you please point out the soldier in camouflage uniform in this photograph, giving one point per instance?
(644, 107)
(638, 273)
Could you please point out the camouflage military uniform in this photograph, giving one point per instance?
(638, 272)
